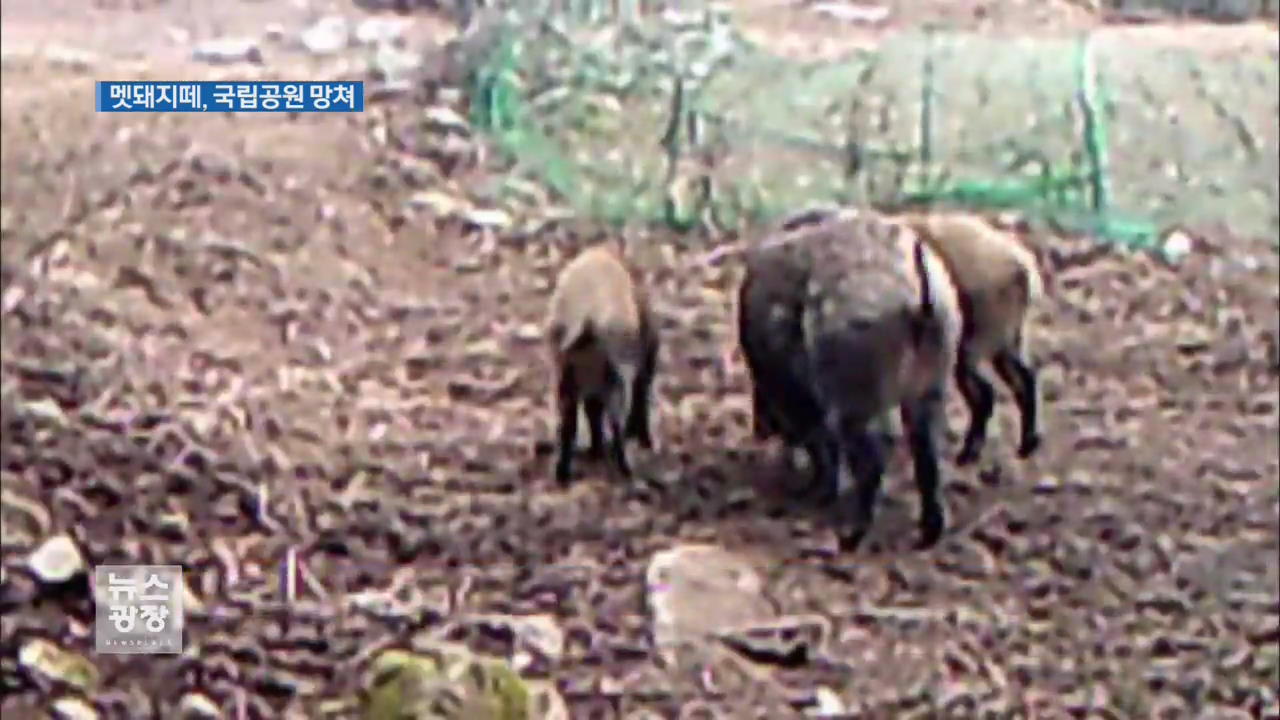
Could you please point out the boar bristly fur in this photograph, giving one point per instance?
(605, 350)
(770, 309)
(998, 281)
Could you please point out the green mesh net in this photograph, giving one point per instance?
(677, 118)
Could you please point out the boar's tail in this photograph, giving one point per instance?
(566, 339)
(926, 291)
(921, 320)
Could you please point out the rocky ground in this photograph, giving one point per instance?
(285, 353)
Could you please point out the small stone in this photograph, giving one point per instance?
(1008, 220)
(528, 333)
(73, 59)
(1176, 245)
(468, 264)
(57, 560)
(329, 35)
(521, 661)
(174, 526)
(222, 51)
(488, 218)
(377, 30)
(439, 203)
(388, 90)
(444, 119)
(826, 703)
(859, 14)
(53, 663)
(610, 686)
(1048, 485)
(45, 409)
(273, 32)
(73, 708)
(393, 65)
(197, 706)
(540, 633)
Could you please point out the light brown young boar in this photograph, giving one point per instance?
(998, 281)
(604, 344)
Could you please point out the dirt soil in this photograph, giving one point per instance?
(225, 346)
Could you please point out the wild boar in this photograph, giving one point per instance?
(998, 281)
(604, 345)
(847, 320)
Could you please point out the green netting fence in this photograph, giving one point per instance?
(633, 115)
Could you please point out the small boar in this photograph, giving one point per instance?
(604, 345)
(848, 319)
(998, 281)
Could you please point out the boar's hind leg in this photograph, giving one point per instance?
(763, 425)
(763, 383)
(824, 462)
(771, 387)
(638, 424)
(926, 419)
(617, 412)
(594, 406)
(980, 397)
(797, 418)
(1021, 379)
(567, 404)
(864, 451)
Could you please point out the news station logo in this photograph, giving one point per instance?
(238, 96)
(138, 609)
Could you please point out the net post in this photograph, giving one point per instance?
(1094, 134)
(926, 99)
(670, 142)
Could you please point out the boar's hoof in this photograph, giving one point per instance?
(968, 454)
(1029, 445)
(562, 473)
(644, 439)
(932, 525)
(851, 538)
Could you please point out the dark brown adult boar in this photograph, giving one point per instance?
(848, 319)
(604, 344)
(998, 281)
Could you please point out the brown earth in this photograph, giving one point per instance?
(253, 354)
